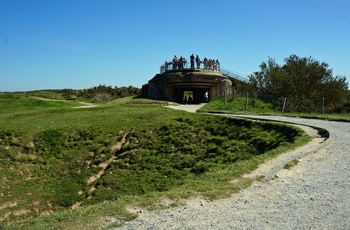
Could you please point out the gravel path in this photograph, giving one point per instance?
(314, 194)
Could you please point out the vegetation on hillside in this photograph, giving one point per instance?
(128, 152)
(304, 83)
(300, 87)
(101, 93)
(239, 104)
(107, 93)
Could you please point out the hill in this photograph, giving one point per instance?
(67, 167)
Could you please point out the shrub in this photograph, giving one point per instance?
(51, 142)
(62, 192)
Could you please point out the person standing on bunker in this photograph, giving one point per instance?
(205, 63)
(175, 60)
(192, 61)
(198, 61)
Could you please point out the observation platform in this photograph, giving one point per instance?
(179, 83)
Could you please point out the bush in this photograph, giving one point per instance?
(62, 192)
(51, 142)
(107, 93)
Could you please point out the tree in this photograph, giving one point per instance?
(270, 81)
(304, 81)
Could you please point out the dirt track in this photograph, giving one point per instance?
(314, 194)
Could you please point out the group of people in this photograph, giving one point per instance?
(211, 64)
(179, 63)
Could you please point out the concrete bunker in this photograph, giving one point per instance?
(187, 85)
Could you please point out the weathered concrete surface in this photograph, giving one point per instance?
(172, 84)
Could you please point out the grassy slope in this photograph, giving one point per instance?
(238, 105)
(49, 151)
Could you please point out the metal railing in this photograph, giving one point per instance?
(174, 66)
(236, 76)
(171, 66)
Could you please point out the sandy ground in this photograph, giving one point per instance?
(314, 194)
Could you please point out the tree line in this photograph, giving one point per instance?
(107, 93)
(303, 84)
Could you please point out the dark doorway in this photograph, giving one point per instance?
(199, 94)
(190, 95)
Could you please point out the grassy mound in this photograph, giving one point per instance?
(63, 166)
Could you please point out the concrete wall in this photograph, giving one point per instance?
(169, 85)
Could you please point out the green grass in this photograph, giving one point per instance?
(143, 152)
(238, 105)
(291, 164)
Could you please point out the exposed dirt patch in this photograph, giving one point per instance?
(21, 212)
(45, 99)
(105, 164)
(8, 205)
(85, 105)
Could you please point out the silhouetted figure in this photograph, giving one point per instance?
(192, 61)
(181, 62)
(198, 61)
(217, 65)
(205, 63)
(211, 64)
(175, 62)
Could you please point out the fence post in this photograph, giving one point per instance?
(322, 105)
(225, 97)
(246, 101)
(284, 104)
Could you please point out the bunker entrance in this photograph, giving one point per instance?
(190, 96)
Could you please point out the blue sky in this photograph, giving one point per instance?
(61, 44)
